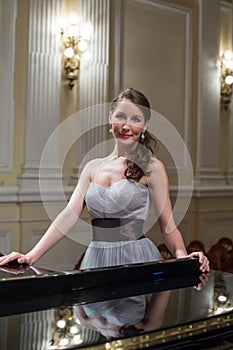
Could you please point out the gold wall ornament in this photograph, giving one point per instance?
(76, 37)
(66, 330)
(226, 78)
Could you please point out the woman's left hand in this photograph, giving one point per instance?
(203, 260)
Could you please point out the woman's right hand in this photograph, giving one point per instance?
(16, 257)
(203, 279)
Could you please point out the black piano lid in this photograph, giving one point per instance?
(24, 288)
(48, 281)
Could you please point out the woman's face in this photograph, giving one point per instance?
(127, 121)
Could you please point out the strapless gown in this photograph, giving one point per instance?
(118, 213)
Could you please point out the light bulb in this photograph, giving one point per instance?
(64, 342)
(69, 52)
(229, 79)
(77, 339)
(73, 31)
(222, 298)
(228, 55)
(82, 45)
(61, 324)
(228, 64)
(74, 330)
(73, 17)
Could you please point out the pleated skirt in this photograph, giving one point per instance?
(103, 254)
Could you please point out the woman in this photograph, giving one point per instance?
(117, 190)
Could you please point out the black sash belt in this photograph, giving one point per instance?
(114, 229)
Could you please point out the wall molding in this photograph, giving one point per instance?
(13, 194)
(213, 191)
(8, 10)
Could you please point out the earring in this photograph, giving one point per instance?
(143, 135)
(110, 129)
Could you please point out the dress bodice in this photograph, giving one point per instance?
(119, 211)
(124, 199)
(118, 214)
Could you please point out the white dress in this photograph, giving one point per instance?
(118, 214)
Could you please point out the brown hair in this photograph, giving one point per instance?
(138, 159)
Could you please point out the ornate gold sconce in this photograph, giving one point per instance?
(75, 39)
(226, 78)
(66, 330)
(222, 301)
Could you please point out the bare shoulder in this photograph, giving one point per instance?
(156, 166)
(157, 171)
(87, 173)
(92, 166)
(93, 163)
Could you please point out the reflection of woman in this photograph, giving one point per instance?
(126, 316)
(117, 190)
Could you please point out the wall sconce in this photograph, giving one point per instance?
(66, 330)
(226, 78)
(75, 38)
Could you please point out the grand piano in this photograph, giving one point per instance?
(162, 305)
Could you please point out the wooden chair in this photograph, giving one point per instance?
(164, 251)
(227, 264)
(217, 256)
(227, 243)
(78, 264)
(195, 246)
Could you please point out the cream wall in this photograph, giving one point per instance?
(162, 65)
(161, 54)
(155, 48)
